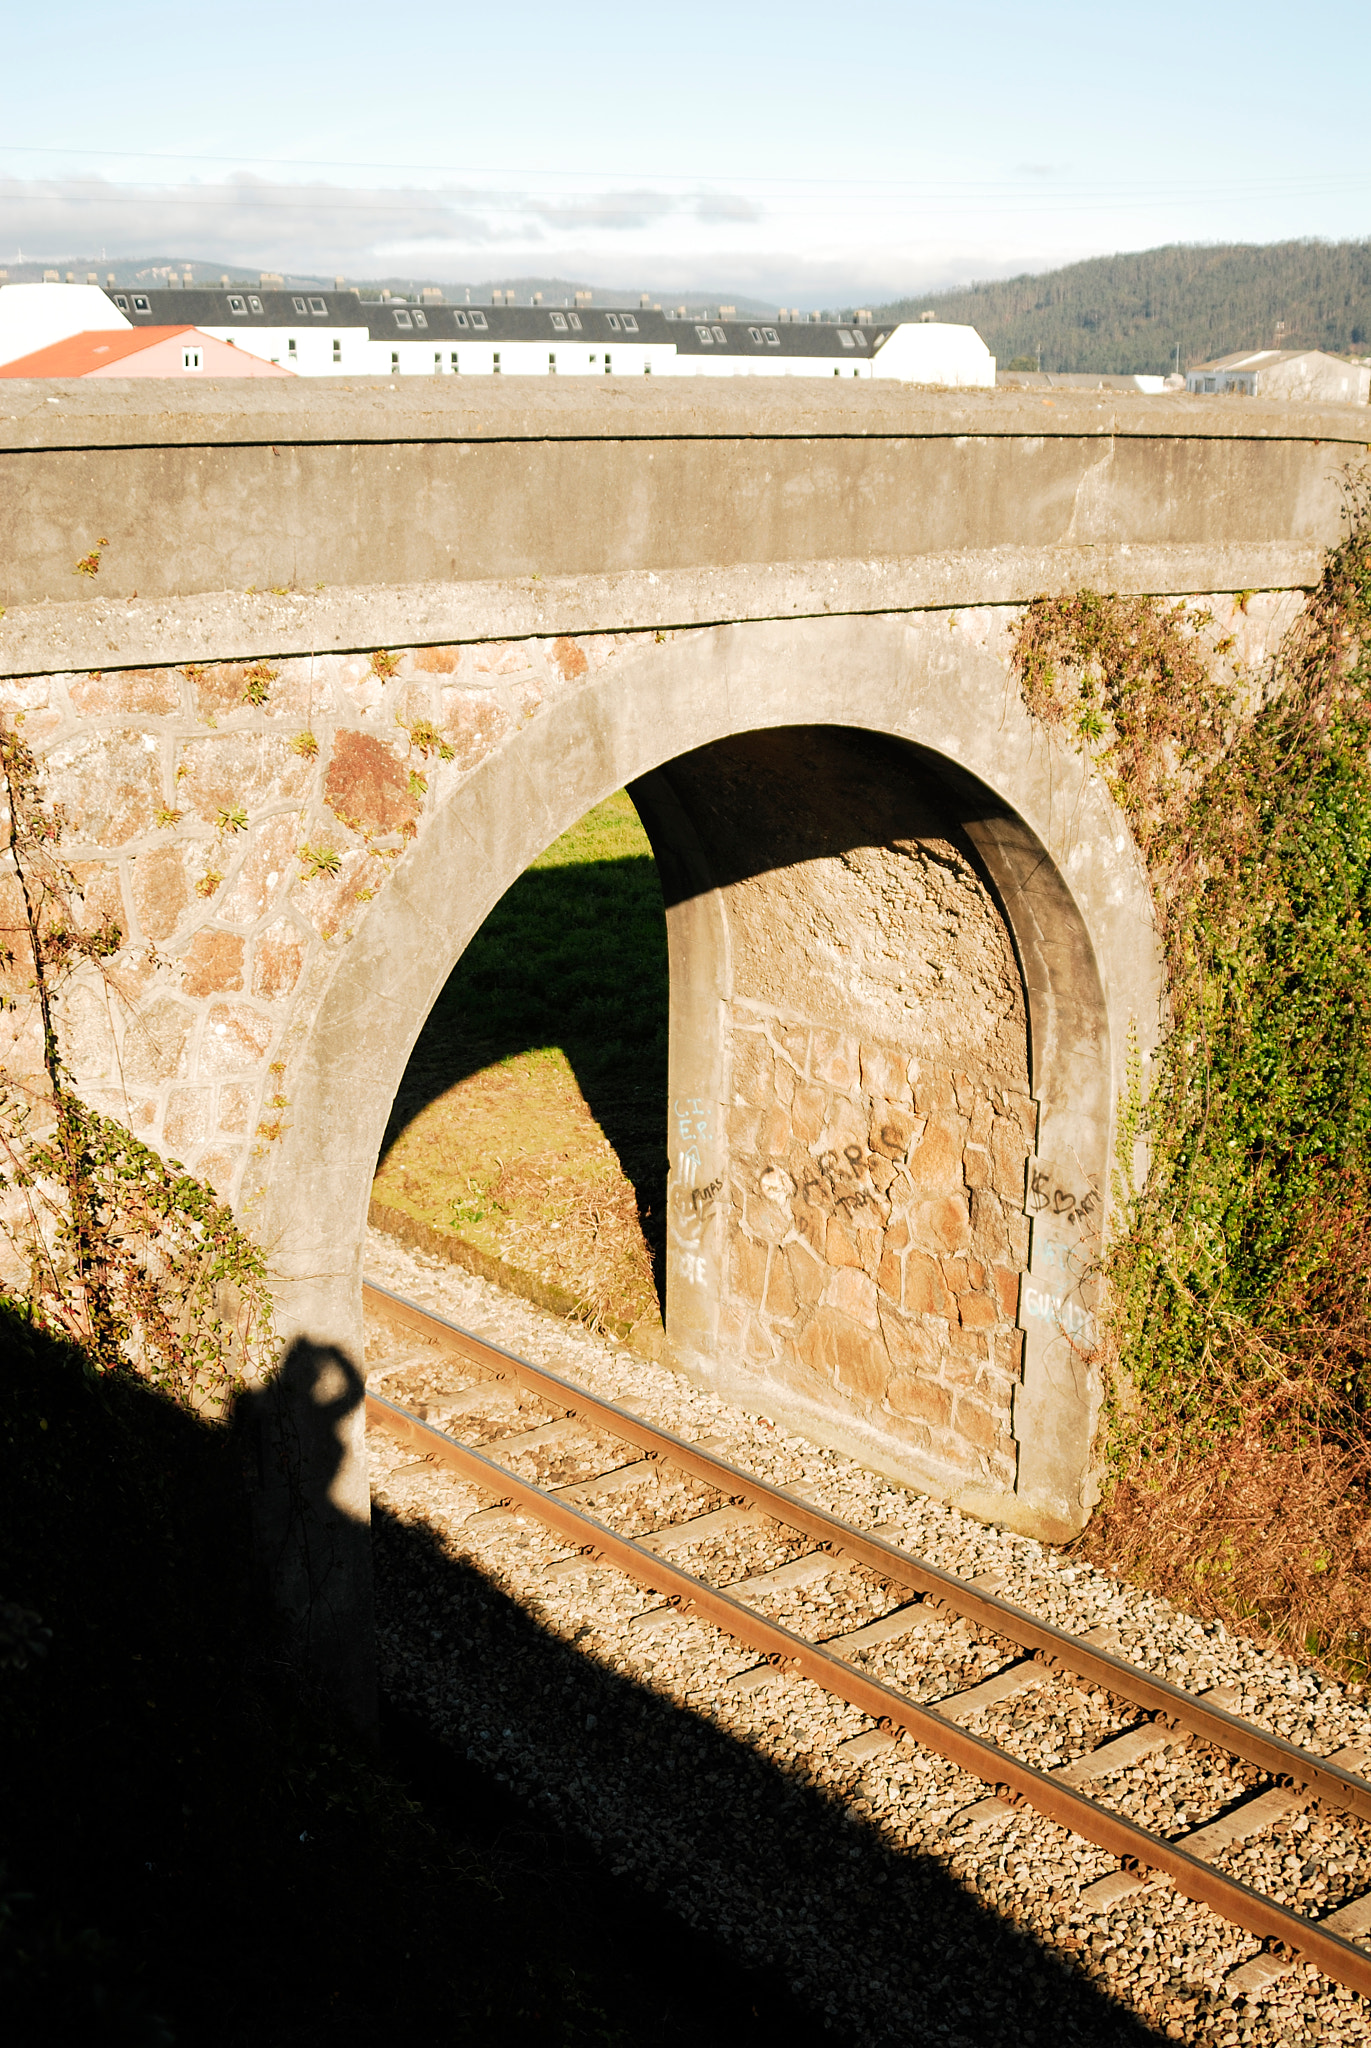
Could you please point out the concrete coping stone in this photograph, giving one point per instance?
(53, 413)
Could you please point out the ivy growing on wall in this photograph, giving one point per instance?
(1239, 1276)
(135, 1260)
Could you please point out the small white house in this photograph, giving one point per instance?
(1292, 373)
(931, 352)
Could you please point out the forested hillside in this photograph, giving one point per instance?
(1131, 313)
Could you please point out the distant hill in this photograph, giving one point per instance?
(1131, 313)
(131, 271)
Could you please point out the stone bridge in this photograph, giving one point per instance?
(910, 937)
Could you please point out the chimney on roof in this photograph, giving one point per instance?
(270, 277)
(644, 299)
(52, 277)
(583, 298)
(537, 299)
(92, 277)
(863, 316)
(928, 316)
(432, 295)
(339, 284)
(224, 278)
(728, 312)
(71, 277)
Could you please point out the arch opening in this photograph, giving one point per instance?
(527, 1136)
(776, 841)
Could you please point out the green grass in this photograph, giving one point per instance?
(549, 1044)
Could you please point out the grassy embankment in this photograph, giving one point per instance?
(528, 1138)
(1238, 1341)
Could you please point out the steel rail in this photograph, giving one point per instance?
(1341, 1960)
(1338, 1789)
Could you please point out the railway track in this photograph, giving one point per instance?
(1035, 1654)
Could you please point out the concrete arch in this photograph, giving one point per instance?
(1052, 852)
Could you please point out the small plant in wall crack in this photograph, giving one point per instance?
(319, 860)
(257, 682)
(89, 565)
(425, 737)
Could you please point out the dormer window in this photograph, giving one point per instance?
(254, 304)
(705, 336)
(559, 322)
(402, 318)
(478, 319)
(298, 304)
(613, 320)
(140, 303)
(460, 318)
(719, 335)
(237, 304)
(755, 334)
(574, 322)
(859, 337)
(421, 319)
(845, 338)
(121, 302)
(318, 306)
(771, 337)
(630, 323)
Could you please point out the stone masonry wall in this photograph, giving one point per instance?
(878, 1232)
(235, 821)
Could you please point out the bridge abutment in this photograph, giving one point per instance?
(911, 941)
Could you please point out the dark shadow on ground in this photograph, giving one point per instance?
(193, 1854)
(695, 1813)
(572, 957)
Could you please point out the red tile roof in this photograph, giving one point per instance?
(79, 354)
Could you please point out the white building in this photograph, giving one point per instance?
(336, 333)
(1297, 373)
(33, 316)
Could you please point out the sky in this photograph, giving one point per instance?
(814, 154)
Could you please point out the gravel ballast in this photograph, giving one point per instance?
(860, 1879)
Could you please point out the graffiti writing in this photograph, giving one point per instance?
(835, 1183)
(692, 1118)
(689, 1209)
(1059, 1310)
(1047, 1196)
(691, 1267)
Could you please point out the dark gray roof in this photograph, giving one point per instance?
(237, 306)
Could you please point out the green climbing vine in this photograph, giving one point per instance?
(108, 1244)
(1239, 1276)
